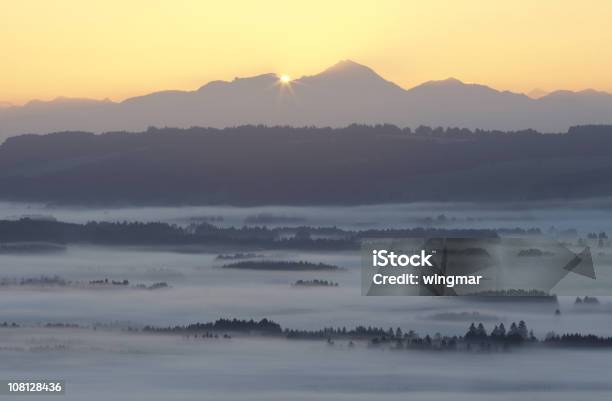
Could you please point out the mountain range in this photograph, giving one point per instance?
(345, 93)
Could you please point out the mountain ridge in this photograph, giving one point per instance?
(345, 93)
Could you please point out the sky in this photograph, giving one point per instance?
(117, 49)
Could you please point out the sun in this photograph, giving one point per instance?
(285, 79)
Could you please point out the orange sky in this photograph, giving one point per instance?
(119, 48)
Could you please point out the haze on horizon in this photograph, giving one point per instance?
(113, 49)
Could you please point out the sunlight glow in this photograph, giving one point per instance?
(65, 47)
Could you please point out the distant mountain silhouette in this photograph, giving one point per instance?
(536, 93)
(342, 94)
(283, 165)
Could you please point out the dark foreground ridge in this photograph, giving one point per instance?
(252, 165)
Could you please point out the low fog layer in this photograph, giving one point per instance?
(200, 290)
(591, 215)
(112, 363)
(103, 365)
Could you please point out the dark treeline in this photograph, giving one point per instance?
(314, 283)
(475, 339)
(586, 301)
(579, 340)
(513, 292)
(359, 332)
(35, 281)
(32, 230)
(282, 165)
(228, 325)
(238, 256)
(57, 281)
(109, 233)
(280, 265)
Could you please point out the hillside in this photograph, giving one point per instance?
(259, 165)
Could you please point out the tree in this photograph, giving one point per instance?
(423, 130)
(472, 332)
(502, 330)
(480, 331)
(532, 337)
(522, 330)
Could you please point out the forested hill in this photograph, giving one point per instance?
(282, 165)
(49, 231)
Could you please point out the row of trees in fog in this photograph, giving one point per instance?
(33, 230)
